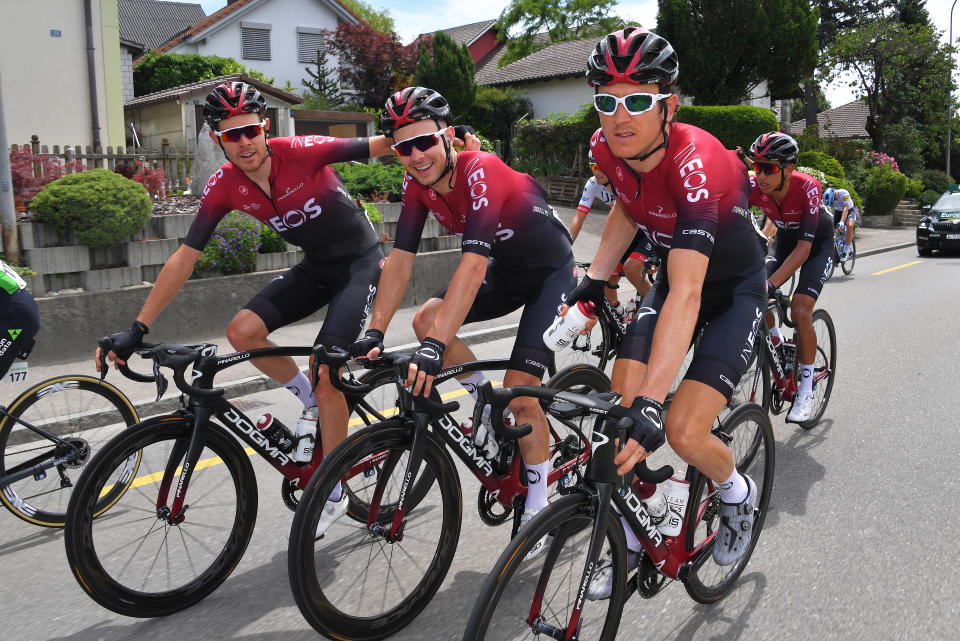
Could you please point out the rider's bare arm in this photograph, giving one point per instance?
(394, 279)
(459, 297)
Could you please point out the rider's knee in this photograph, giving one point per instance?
(325, 389)
(423, 319)
(243, 331)
(683, 438)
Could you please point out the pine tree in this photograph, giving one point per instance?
(323, 88)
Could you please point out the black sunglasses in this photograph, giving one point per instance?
(422, 142)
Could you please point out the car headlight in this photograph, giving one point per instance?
(925, 224)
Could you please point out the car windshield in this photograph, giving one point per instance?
(948, 203)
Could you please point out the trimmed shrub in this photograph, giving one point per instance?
(938, 181)
(929, 197)
(735, 126)
(914, 188)
(102, 207)
(558, 144)
(883, 187)
(270, 241)
(494, 111)
(372, 212)
(232, 249)
(836, 183)
(823, 162)
(375, 182)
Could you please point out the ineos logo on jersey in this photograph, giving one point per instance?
(691, 171)
(476, 184)
(213, 181)
(748, 349)
(308, 141)
(295, 217)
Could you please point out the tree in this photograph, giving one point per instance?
(899, 70)
(374, 64)
(379, 19)
(543, 22)
(797, 105)
(323, 88)
(494, 111)
(448, 69)
(911, 12)
(728, 47)
(156, 72)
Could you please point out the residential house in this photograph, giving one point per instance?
(278, 38)
(147, 24)
(58, 83)
(176, 114)
(845, 121)
(481, 41)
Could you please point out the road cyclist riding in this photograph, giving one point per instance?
(845, 217)
(804, 242)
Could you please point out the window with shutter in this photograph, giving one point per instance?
(255, 41)
(308, 41)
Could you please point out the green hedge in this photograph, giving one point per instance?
(936, 180)
(929, 197)
(734, 126)
(883, 187)
(835, 182)
(824, 162)
(102, 207)
(557, 144)
(373, 182)
(271, 242)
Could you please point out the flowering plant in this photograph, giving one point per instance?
(878, 159)
(232, 249)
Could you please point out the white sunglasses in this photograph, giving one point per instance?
(635, 103)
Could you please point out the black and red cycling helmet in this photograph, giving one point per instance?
(232, 99)
(776, 147)
(632, 55)
(412, 104)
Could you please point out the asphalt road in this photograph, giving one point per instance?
(852, 546)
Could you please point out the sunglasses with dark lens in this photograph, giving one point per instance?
(593, 166)
(422, 142)
(635, 103)
(768, 168)
(233, 134)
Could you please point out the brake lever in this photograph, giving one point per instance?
(160, 379)
(105, 344)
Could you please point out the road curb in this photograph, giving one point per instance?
(881, 250)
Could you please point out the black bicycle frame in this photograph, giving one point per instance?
(34, 466)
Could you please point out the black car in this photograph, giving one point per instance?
(940, 228)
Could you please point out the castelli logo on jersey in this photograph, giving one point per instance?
(243, 190)
(433, 194)
(382, 261)
(619, 173)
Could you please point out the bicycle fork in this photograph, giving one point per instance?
(394, 533)
(185, 454)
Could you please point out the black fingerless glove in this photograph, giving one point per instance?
(647, 427)
(771, 290)
(125, 342)
(589, 290)
(429, 358)
(372, 338)
(461, 131)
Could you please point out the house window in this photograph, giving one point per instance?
(308, 41)
(255, 41)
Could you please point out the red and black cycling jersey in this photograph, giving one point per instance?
(495, 210)
(797, 215)
(308, 206)
(696, 198)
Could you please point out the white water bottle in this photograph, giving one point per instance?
(654, 500)
(566, 328)
(306, 435)
(676, 493)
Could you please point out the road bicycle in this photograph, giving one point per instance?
(366, 579)
(191, 507)
(773, 381)
(846, 264)
(546, 597)
(47, 435)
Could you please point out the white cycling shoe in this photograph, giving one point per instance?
(332, 511)
(601, 583)
(540, 545)
(802, 408)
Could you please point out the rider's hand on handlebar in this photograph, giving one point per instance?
(370, 346)
(771, 290)
(646, 435)
(425, 363)
(124, 344)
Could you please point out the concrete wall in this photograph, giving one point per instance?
(126, 73)
(159, 121)
(283, 16)
(41, 73)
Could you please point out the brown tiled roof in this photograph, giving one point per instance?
(217, 16)
(488, 64)
(152, 22)
(559, 60)
(467, 33)
(845, 121)
(185, 90)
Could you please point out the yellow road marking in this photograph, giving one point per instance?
(893, 269)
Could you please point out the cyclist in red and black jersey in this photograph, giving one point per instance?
(804, 241)
(516, 253)
(288, 185)
(689, 194)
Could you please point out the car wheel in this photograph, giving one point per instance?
(924, 251)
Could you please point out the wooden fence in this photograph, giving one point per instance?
(175, 165)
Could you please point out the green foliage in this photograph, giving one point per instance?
(914, 188)
(929, 197)
(374, 182)
(728, 47)
(560, 19)
(821, 161)
(22, 270)
(270, 241)
(936, 180)
(902, 140)
(232, 249)
(102, 207)
(494, 110)
(883, 187)
(557, 145)
(736, 126)
(156, 72)
(372, 212)
(322, 90)
(449, 69)
(797, 105)
(379, 19)
(835, 182)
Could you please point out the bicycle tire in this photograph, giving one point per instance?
(513, 577)
(847, 265)
(754, 455)
(96, 561)
(826, 363)
(585, 350)
(352, 615)
(79, 409)
(744, 392)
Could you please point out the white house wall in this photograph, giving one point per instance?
(283, 16)
(557, 96)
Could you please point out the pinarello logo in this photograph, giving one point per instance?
(619, 173)
(244, 190)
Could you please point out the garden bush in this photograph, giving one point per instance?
(270, 241)
(103, 208)
(735, 126)
(936, 180)
(883, 187)
(914, 188)
(823, 162)
(929, 197)
(375, 182)
(558, 144)
(32, 172)
(232, 249)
